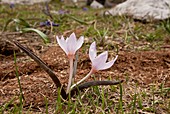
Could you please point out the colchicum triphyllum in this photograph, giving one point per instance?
(71, 45)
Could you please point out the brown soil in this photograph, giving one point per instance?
(143, 67)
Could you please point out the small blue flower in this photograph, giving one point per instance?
(48, 23)
(85, 9)
(62, 12)
(11, 5)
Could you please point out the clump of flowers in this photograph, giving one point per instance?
(71, 44)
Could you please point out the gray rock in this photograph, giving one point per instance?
(96, 5)
(148, 10)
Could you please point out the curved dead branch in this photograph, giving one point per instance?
(45, 67)
(85, 85)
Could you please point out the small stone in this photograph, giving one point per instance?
(96, 5)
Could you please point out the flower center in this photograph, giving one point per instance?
(70, 55)
(93, 70)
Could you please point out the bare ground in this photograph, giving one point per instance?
(142, 68)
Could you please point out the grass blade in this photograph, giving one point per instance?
(76, 19)
(21, 22)
(21, 97)
(6, 105)
(43, 36)
(17, 21)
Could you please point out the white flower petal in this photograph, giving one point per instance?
(108, 64)
(71, 43)
(99, 62)
(79, 43)
(62, 44)
(67, 39)
(103, 56)
(73, 38)
(92, 51)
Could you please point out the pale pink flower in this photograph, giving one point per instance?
(71, 44)
(99, 62)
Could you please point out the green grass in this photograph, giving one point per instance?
(121, 99)
(104, 100)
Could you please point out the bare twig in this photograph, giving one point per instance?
(92, 83)
(46, 10)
